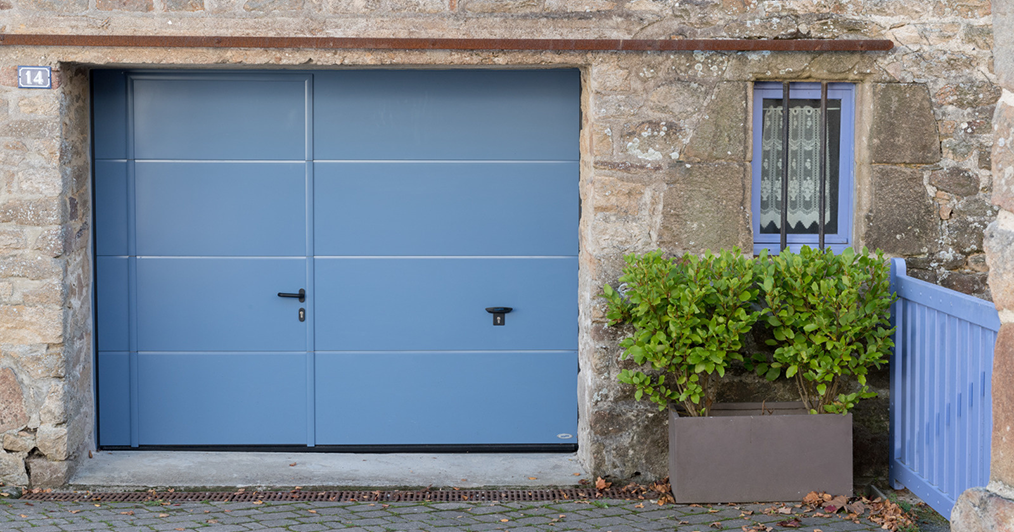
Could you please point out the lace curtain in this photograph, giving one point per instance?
(804, 168)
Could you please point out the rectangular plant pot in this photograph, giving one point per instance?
(739, 454)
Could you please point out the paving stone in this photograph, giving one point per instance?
(600, 516)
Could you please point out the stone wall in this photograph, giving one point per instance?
(665, 162)
(992, 508)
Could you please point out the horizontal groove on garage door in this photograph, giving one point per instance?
(338, 496)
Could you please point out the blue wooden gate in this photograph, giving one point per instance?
(941, 407)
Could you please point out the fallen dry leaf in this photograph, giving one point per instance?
(163, 515)
(577, 474)
(293, 464)
(639, 505)
(716, 524)
(504, 520)
(258, 502)
(784, 510)
(75, 511)
(792, 523)
(214, 521)
(312, 511)
(856, 507)
(533, 478)
(127, 513)
(601, 484)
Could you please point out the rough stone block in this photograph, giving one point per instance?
(966, 283)
(620, 197)
(12, 469)
(46, 293)
(904, 129)
(39, 105)
(52, 441)
(267, 6)
(1003, 42)
(53, 410)
(44, 473)
(1002, 156)
(30, 129)
(53, 242)
(903, 219)
(40, 181)
(58, 6)
(184, 5)
(31, 325)
(610, 77)
(503, 6)
(967, 94)
(32, 212)
(965, 235)
(706, 206)
(722, 134)
(1002, 462)
(999, 245)
(980, 510)
(652, 140)
(21, 442)
(584, 6)
(124, 5)
(12, 402)
(11, 239)
(29, 266)
(956, 181)
(679, 100)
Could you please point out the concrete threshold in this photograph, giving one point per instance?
(128, 470)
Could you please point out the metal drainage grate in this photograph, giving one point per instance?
(337, 496)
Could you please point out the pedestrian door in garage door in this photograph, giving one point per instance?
(345, 258)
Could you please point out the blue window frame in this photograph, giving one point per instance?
(804, 151)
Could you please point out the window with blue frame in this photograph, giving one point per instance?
(802, 208)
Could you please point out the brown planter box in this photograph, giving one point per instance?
(739, 455)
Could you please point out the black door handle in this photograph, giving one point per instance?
(499, 314)
(301, 295)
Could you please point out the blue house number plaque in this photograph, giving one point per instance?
(35, 77)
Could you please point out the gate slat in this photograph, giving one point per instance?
(941, 411)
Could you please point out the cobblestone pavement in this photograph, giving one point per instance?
(598, 515)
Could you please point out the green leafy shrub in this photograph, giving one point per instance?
(828, 317)
(690, 315)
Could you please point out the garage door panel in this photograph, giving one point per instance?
(439, 303)
(221, 398)
(221, 209)
(219, 304)
(446, 397)
(457, 114)
(111, 208)
(199, 117)
(446, 208)
(113, 385)
(112, 303)
(109, 94)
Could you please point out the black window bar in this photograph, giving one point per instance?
(822, 192)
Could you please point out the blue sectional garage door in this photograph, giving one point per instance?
(400, 204)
